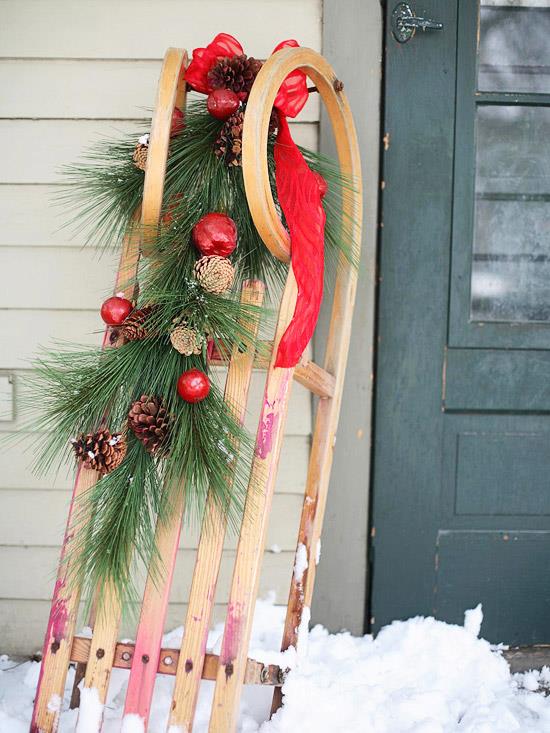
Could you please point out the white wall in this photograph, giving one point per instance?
(72, 71)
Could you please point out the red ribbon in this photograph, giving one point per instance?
(299, 191)
(299, 195)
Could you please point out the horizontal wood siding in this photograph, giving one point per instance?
(71, 74)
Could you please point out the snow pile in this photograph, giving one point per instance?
(418, 676)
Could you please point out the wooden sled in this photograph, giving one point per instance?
(232, 668)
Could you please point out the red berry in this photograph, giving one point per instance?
(193, 385)
(215, 234)
(177, 122)
(115, 310)
(222, 103)
(321, 182)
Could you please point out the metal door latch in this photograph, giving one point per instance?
(404, 23)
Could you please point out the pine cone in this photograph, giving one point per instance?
(101, 451)
(215, 274)
(229, 144)
(140, 152)
(135, 327)
(186, 340)
(150, 422)
(236, 73)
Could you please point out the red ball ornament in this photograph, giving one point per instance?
(177, 122)
(115, 310)
(193, 385)
(321, 182)
(215, 234)
(222, 103)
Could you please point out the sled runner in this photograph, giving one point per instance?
(232, 669)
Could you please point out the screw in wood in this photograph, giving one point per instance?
(167, 660)
(338, 85)
(54, 647)
(145, 658)
(100, 653)
(126, 656)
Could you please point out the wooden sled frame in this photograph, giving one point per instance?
(232, 668)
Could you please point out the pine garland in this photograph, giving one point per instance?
(84, 389)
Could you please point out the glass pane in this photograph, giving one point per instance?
(511, 249)
(514, 47)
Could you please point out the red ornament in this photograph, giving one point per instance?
(193, 385)
(215, 234)
(115, 310)
(222, 103)
(177, 122)
(321, 182)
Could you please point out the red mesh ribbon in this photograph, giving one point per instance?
(300, 199)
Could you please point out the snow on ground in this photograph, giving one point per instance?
(417, 676)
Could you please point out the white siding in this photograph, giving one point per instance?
(72, 72)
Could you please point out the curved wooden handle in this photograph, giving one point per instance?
(171, 93)
(255, 131)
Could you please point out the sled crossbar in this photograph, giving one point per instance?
(256, 673)
(307, 373)
(95, 657)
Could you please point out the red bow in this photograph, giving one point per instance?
(292, 95)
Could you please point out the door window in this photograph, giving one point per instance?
(501, 228)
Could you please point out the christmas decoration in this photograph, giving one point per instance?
(214, 274)
(236, 73)
(186, 296)
(140, 152)
(186, 340)
(229, 143)
(215, 234)
(173, 203)
(321, 182)
(115, 310)
(193, 386)
(136, 326)
(177, 122)
(150, 422)
(222, 103)
(101, 451)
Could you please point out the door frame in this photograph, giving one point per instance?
(352, 41)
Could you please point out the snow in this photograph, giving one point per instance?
(91, 711)
(473, 618)
(301, 564)
(416, 676)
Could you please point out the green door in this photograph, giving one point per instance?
(461, 499)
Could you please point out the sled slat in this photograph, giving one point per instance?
(143, 671)
(61, 624)
(336, 355)
(248, 560)
(256, 673)
(209, 553)
(171, 93)
(66, 600)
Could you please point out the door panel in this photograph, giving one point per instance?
(461, 506)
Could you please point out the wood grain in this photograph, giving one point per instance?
(66, 597)
(246, 573)
(209, 553)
